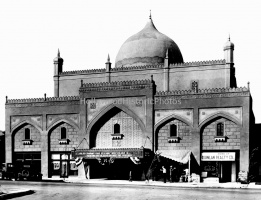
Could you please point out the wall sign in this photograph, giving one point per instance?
(218, 156)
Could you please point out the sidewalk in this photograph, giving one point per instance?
(12, 192)
(160, 183)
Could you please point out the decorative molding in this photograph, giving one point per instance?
(218, 91)
(220, 138)
(199, 63)
(186, 114)
(88, 71)
(235, 113)
(27, 142)
(51, 101)
(51, 119)
(145, 67)
(37, 120)
(117, 85)
(173, 139)
(64, 141)
(117, 136)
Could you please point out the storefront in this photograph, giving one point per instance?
(219, 166)
(63, 165)
(114, 163)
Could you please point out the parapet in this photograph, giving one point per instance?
(117, 85)
(47, 99)
(202, 91)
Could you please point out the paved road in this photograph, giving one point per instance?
(69, 191)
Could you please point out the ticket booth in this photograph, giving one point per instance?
(218, 166)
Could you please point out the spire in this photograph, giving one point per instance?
(58, 54)
(150, 14)
(108, 59)
(229, 37)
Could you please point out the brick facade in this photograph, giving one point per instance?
(132, 134)
(231, 132)
(184, 134)
(19, 136)
(55, 135)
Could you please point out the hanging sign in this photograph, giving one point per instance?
(112, 153)
(218, 156)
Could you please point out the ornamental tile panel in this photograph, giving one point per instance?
(235, 113)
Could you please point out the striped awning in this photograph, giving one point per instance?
(181, 156)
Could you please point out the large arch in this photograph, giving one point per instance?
(107, 110)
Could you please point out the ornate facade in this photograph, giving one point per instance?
(151, 100)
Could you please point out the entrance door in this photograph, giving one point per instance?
(226, 171)
(64, 169)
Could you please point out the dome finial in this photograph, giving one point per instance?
(229, 37)
(150, 14)
(58, 54)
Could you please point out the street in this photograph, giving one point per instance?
(75, 191)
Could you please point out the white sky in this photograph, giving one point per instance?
(86, 31)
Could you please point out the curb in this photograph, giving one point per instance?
(16, 194)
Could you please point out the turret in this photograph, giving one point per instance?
(58, 64)
(229, 51)
(58, 68)
(108, 70)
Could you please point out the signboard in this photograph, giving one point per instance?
(105, 153)
(218, 156)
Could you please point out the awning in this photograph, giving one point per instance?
(181, 156)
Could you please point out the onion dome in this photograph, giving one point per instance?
(229, 45)
(58, 58)
(148, 47)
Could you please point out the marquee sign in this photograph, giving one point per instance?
(112, 153)
(218, 156)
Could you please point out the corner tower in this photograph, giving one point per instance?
(58, 68)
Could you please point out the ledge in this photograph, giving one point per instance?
(117, 136)
(64, 141)
(27, 142)
(174, 139)
(220, 138)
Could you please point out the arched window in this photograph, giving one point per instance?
(63, 133)
(27, 135)
(220, 129)
(117, 129)
(173, 132)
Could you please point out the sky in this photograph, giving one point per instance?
(87, 31)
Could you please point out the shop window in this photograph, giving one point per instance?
(63, 133)
(173, 130)
(220, 129)
(27, 135)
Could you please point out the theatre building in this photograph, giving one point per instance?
(113, 120)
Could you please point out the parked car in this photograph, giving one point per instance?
(19, 172)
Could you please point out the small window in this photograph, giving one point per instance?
(63, 133)
(27, 135)
(220, 129)
(117, 129)
(173, 130)
(194, 86)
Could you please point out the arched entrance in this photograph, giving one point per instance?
(117, 136)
